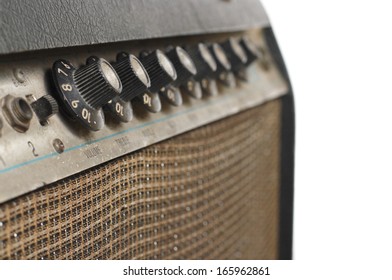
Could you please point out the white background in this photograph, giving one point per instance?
(338, 54)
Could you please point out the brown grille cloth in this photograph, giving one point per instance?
(211, 193)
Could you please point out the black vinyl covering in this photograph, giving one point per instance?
(35, 25)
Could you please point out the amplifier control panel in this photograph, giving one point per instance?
(66, 110)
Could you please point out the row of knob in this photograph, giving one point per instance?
(99, 85)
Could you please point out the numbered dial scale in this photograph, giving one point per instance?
(85, 90)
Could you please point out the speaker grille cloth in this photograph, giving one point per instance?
(211, 193)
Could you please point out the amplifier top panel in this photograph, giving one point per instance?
(36, 25)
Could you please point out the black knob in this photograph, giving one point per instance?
(222, 62)
(183, 64)
(133, 76)
(251, 50)
(223, 73)
(84, 91)
(235, 54)
(204, 61)
(45, 107)
(160, 69)
(97, 83)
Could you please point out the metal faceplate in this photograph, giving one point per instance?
(46, 153)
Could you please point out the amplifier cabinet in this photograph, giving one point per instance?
(144, 130)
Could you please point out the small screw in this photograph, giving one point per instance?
(58, 145)
(19, 75)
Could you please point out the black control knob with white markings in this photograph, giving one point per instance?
(85, 90)
(204, 61)
(133, 76)
(206, 67)
(162, 73)
(135, 81)
(97, 82)
(251, 50)
(160, 69)
(235, 53)
(222, 72)
(222, 62)
(184, 65)
(186, 70)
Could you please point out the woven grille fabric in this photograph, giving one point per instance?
(211, 193)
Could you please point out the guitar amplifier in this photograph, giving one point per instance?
(143, 130)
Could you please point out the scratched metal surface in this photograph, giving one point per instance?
(29, 160)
